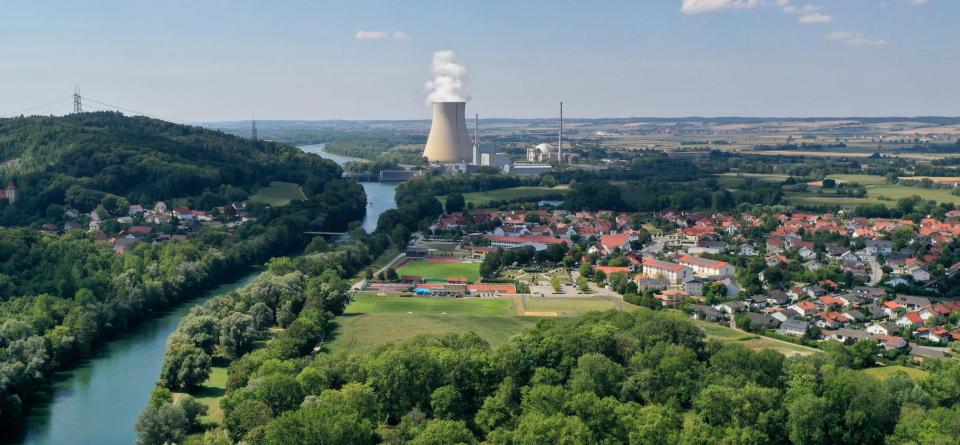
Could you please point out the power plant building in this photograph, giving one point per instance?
(449, 140)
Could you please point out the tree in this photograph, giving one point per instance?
(167, 423)
(237, 333)
(597, 374)
(279, 392)
(248, 415)
(444, 432)
(555, 283)
(455, 202)
(583, 284)
(185, 366)
(202, 331)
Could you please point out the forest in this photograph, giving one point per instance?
(60, 295)
(79, 160)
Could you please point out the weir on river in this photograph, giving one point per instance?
(98, 401)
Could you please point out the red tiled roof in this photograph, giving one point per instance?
(703, 262)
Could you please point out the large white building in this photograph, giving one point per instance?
(672, 272)
(703, 267)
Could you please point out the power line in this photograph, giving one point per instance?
(130, 110)
(37, 107)
(77, 108)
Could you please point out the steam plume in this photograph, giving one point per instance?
(448, 79)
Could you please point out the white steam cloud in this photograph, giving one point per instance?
(448, 76)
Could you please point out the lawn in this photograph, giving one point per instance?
(360, 331)
(878, 192)
(430, 305)
(886, 371)
(441, 271)
(278, 194)
(210, 394)
(724, 334)
(480, 199)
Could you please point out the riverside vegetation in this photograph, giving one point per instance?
(60, 295)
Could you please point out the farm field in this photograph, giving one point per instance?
(278, 194)
(441, 270)
(878, 192)
(480, 199)
(766, 177)
(430, 305)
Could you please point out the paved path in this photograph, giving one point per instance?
(876, 273)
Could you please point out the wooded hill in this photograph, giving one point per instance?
(78, 160)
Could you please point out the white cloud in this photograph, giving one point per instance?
(370, 35)
(917, 2)
(854, 39)
(816, 17)
(702, 6)
(379, 35)
(809, 14)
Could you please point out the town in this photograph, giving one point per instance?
(801, 277)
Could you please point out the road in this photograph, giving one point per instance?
(876, 273)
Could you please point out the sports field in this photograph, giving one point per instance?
(441, 270)
(430, 305)
(480, 199)
(278, 194)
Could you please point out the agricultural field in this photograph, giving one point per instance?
(436, 270)
(370, 321)
(878, 192)
(766, 177)
(480, 199)
(278, 194)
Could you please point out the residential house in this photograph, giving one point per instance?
(674, 273)
(794, 327)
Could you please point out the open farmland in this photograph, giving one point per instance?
(878, 192)
(278, 194)
(434, 270)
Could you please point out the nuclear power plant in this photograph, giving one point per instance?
(448, 140)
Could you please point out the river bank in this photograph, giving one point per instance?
(99, 399)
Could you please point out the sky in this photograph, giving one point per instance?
(206, 60)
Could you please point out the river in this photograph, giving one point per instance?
(98, 401)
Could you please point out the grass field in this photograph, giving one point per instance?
(371, 321)
(727, 335)
(878, 192)
(480, 199)
(886, 371)
(359, 331)
(210, 394)
(441, 271)
(430, 305)
(278, 194)
(568, 306)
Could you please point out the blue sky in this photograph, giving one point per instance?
(358, 59)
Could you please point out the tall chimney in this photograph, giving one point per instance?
(560, 136)
(449, 140)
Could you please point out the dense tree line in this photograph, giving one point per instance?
(640, 377)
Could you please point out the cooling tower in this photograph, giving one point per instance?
(448, 140)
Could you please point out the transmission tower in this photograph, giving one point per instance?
(77, 106)
(253, 123)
